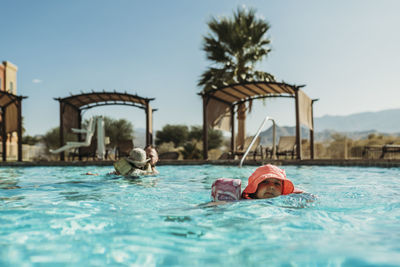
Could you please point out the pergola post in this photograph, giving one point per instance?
(233, 131)
(149, 124)
(19, 129)
(61, 129)
(298, 132)
(205, 126)
(312, 151)
(241, 116)
(79, 134)
(4, 134)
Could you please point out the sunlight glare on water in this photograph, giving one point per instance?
(59, 215)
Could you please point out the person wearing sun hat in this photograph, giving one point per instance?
(138, 157)
(135, 165)
(268, 181)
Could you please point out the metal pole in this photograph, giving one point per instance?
(254, 139)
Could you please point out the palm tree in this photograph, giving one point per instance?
(235, 45)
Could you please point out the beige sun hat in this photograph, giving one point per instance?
(137, 157)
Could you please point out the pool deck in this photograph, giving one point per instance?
(306, 162)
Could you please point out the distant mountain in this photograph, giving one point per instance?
(385, 121)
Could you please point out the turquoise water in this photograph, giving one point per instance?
(57, 216)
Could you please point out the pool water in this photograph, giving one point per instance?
(59, 216)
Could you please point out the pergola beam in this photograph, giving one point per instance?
(89, 106)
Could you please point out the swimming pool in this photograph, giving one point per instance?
(59, 216)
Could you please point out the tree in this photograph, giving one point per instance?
(52, 138)
(178, 134)
(235, 45)
(196, 133)
(215, 138)
(181, 136)
(118, 130)
(30, 140)
(190, 151)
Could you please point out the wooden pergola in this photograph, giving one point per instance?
(71, 110)
(11, 120)
(226, 101)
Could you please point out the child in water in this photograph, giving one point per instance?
(152, 154)
(139, 163)
(267, 181)
(135, 165)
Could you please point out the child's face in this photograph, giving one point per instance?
(269, 188)
(152, 154)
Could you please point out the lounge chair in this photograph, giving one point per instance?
(286, 146)
(255, 150)
(84, 151)
(89, 131)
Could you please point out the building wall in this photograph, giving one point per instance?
(2, 69)
(10, 74)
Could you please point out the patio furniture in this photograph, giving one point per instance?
(372, 150)
(390, 149)
(286, 146)
(85, 151)
(89, 132)
(380, 151)
(255, 152)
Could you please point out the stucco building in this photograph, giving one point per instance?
(8, 83)
(9, 77)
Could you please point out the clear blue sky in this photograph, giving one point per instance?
(346, 52)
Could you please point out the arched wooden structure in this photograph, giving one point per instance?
(219, 108)
(11, 120)
(71, 109)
